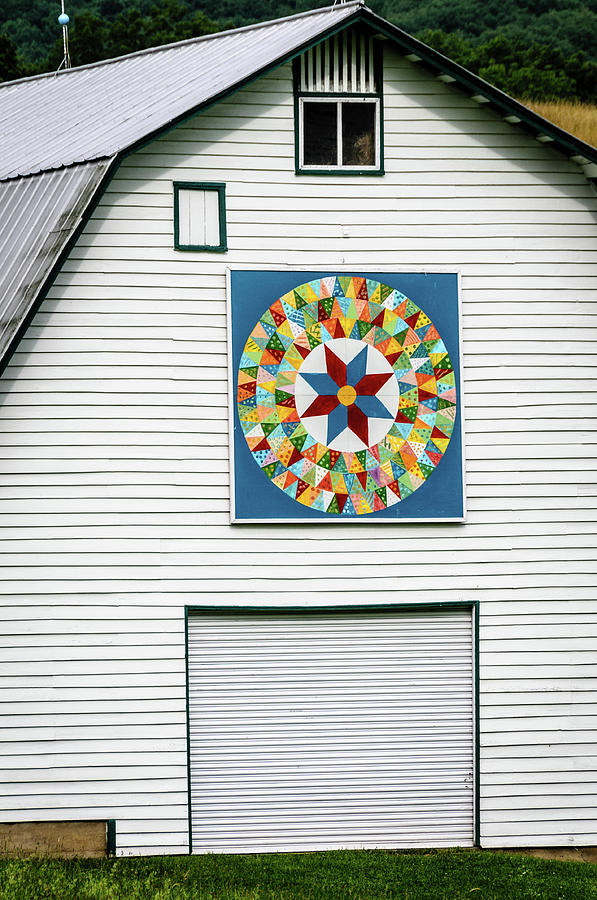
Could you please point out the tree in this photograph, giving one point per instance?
(11, 65)
(533, 71)
(87, 42)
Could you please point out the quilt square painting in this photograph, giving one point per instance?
(345, 396)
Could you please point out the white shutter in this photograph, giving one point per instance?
(329, 730)
(198, 217)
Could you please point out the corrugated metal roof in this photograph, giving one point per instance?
(93, 111)
(39, 215)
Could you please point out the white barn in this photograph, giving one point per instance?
(333, 651)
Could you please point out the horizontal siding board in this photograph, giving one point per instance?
(570, 572)
(474, 547)
(255, 586)
(535, 790)
(74, 779)
(521, 218)
(194, 562)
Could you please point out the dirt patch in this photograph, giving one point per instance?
(54, 839)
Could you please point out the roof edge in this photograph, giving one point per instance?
(287, 56)
(532, 121)
(5, 179)
(101, 171)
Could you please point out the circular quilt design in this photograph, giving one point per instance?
(346, 395)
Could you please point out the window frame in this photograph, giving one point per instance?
(301, 96)
(219, 188)
(340, 100)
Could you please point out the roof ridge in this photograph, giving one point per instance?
(195, 40)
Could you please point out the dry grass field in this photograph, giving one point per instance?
(579, 119)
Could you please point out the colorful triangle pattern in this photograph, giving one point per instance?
(345, 483)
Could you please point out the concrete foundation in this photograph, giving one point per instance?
(55, 839)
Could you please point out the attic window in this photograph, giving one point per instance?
(199, 216)
(338, 106)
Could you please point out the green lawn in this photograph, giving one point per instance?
(335, 875)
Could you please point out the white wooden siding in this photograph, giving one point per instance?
(115, 479)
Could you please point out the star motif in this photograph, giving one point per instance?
(347, 395)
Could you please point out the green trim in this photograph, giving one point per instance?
(334, 172)
(111, 837)
(477, 708)
(342, 608)
(473, 605)
(188, 709)
(378, 64)
(340, 169)
(405, 42)
(295, 81)
(338, 95)
(216, 186)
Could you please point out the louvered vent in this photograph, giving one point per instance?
(343, 64)
(331, 730)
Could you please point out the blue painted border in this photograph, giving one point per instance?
(255, 496)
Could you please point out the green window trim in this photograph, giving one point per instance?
(342, 102)
(218, 188)
(301, 97)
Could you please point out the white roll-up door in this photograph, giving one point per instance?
(327, 730)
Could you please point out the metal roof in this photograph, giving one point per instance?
(39, 215)
(85, 113)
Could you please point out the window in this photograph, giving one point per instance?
(340, 133)
(199, 216)
(338, 106)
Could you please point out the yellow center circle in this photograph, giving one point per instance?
(347, 395)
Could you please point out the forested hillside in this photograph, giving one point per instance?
(532, 48)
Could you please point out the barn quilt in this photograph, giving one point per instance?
(345, 396)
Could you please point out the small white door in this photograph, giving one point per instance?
(312, 731)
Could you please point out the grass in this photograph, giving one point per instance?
(335, 875)
(579, 119)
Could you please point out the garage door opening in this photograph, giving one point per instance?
(325, 729)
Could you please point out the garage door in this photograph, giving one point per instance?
(327, 730)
